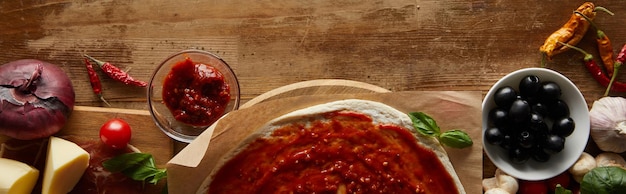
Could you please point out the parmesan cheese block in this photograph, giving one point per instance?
(65, 164)
(17, 177)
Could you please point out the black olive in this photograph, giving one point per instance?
(539, 108)
(519, 111)
(563, 127)
(526, 139)
(536, 121)
(539, 155)
(549, 92)
(507, 142)
(553, 144)
(519, 155)
(494, 136)
(504, 96)
(558, 109)
(529, 86)
(498, 116)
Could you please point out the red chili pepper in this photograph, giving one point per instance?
(597, 72)
(96, 86)
(618, 63)
(117, 74)
(621, 56)
(605, 49)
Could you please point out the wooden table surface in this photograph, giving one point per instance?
(400, 45)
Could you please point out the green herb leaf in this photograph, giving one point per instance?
(604, 180)
(124, 161)
(560, 190)
(424, 124)
(158, 176)
(137, 166)
(456, 139)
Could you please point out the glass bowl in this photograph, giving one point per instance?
(574, 143)
(162, 115)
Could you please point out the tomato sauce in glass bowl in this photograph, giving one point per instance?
(190, 91)
(195, 93)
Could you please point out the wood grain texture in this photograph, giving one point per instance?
(85, 122)
(400, 45)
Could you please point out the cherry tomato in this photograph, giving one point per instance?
(563, 179)
(115, 133)
(532, 187)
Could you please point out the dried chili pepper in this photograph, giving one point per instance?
(96, 86)
(605, 49)
(621, 57)
(570, 33)
(596, 71)
(117, 74)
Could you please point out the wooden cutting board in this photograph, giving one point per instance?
(86, 121)
(302, 94)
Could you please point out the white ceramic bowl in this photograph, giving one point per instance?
(574, 144)
(161, 114)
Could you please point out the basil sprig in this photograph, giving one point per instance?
(426, 125)
(137, 166)
(560, 190)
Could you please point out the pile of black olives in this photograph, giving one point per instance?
(530, 123)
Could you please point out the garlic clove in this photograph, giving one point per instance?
(506, 182)
(608, 124)
(490, 183)
(497, 191)
(500, 183)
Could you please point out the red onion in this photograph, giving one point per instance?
(36, 98)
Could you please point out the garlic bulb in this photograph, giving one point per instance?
(608, 124)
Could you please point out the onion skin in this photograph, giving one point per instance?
(36, 98)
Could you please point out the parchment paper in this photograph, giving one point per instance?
(451, 110)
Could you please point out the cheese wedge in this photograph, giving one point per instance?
(17, 177)
(65, 164)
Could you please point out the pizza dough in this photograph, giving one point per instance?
(380, 114)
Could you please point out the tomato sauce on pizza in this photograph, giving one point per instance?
(344, 153)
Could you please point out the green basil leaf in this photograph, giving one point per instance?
(140, 173)
(424, 124)
(456, 139)
(124, 161)
(604, 180)
(137, 166)
(158, 176)
(560, 190)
